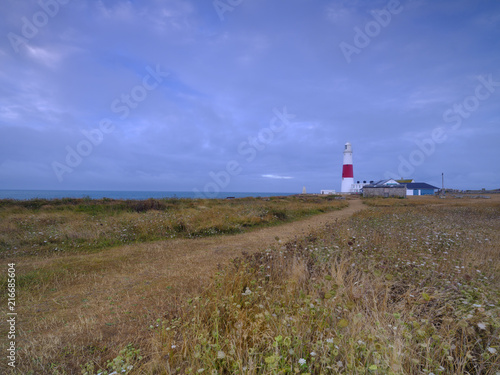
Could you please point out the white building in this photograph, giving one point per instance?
(328, 192)
(358, 186)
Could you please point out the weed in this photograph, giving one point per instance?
(47, 227)
(403, 287)
(422, 299)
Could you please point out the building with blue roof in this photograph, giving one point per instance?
(397, 188)
(420, 188)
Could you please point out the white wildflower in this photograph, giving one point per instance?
(313, 354)
(221, 354)
(302, 361)
(481, 325)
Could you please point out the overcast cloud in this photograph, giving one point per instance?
(251, 95)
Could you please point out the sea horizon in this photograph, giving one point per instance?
(22, 194)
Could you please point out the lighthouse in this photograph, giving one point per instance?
(347, 170)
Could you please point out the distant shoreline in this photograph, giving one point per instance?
(115, 194)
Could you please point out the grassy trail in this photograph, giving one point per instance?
(394, 286)
(405, 287)
(110, 298)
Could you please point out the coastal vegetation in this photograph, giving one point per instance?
(40, 227)
(402, 287)
(393, 290)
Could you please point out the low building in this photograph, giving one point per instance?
(385, 188)
(358, 187)
(420, 188)
(327, 192)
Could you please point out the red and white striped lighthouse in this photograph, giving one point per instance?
(347, 170)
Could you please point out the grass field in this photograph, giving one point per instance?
(39, 226)
(86, 269)
(403, 287)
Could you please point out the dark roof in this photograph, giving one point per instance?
(420, 185)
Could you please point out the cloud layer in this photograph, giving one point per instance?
(161, 95)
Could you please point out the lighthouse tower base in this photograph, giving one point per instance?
(346, 186)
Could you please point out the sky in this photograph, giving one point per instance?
(247, 95)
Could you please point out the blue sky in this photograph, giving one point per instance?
(247, 95)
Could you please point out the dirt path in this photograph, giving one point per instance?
(205, 254)
(110, 298)
(180, 264)
(185, 263)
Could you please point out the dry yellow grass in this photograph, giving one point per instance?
(42, 227)
(355, 294)
(87, 306)
(394, 290)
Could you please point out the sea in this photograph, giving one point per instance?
(115, 194)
